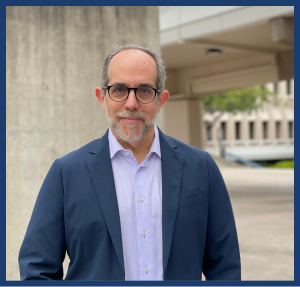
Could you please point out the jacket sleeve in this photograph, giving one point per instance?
(43, 249)
(221, 255)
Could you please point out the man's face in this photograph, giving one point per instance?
(131, 120)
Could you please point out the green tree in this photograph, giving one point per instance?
(243, 100)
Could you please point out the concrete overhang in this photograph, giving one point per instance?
(256, 45)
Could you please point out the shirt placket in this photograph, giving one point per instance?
(142, 216)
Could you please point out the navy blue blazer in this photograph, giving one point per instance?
(77, 211)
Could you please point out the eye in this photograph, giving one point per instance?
(118, 90)
(145, 90)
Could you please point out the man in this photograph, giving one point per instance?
(134, 204)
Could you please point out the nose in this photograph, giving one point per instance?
(131, 103)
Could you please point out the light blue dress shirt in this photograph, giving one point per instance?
(139, 193)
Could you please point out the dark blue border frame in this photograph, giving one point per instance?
(151, 283)
(3, 281)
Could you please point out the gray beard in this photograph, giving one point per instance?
(131, 137)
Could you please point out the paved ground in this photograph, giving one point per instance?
(263, 204)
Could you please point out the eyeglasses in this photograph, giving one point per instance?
(120, 93)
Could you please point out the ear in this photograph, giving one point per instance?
(100, 97)
(164, 95)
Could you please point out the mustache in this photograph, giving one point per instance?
(132, 114)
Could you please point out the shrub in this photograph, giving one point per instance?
(283, 164)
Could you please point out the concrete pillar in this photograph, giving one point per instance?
(271, 124)
(244, 128)
(197, 139)
(282, 31)
(54, 58)
(183, 120)
(285, 62)
(258, 126)
(230, 128)
(285, 124)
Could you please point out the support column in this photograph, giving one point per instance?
(285, 62)
(271, 123)
(230, 128)
(244, 128)
(282, 31)
(195, 123)
(258, 126)
(183, 121)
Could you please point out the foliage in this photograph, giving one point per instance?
(243, 100)
(283, 164)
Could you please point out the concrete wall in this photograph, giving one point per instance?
(54, 58)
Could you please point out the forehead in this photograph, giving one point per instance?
(132, 66)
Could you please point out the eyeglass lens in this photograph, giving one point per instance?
(143, 94)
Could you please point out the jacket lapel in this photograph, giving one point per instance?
(172, 167)
(100, 169)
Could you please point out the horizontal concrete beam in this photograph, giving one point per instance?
(204, 43)
(220, 76)
(234, 80)
(182, 30)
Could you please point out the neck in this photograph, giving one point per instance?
(141, 148)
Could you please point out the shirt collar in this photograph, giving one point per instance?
(115, 146)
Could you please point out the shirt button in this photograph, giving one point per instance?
(144, 233)
(127, 153)
(142, 199)
(147, 269)
(139, 168)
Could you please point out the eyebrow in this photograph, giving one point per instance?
(141, 85)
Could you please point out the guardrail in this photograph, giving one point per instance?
(251, 143)
(267, 149)
(231, 156)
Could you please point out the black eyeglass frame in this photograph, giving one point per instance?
(135, 89)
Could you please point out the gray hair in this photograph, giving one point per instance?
(161, 73)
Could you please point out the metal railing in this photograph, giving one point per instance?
(253, 150)
(251, 143)
(230, 156)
